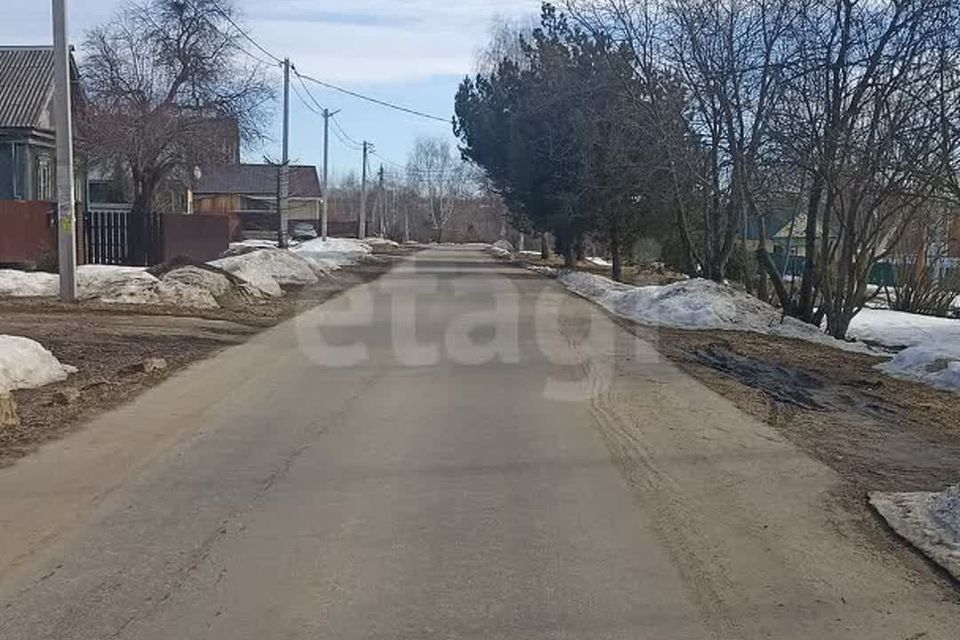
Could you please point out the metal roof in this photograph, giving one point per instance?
(257, 179)
(26, 84)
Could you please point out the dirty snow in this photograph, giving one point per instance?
(695, 304)
(270, 269)
(16, 284)
(935, 364)
(26, 364)
(501, 247)
(929, 521)
(216, 283)
(334, 252)
(108, 284)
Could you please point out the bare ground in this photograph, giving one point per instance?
(109, 342)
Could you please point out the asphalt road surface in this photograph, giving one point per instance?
(457, 450)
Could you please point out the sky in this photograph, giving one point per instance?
(412, 52)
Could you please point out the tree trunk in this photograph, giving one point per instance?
(616, 259)
(569, 255)
(138, 227)
(544, 246)
(581, 251)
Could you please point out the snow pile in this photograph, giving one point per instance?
(14, 283)
(216, 284)
(25, 364)
(902, 329)
(380, 242)
(936, 364)
(929, 521)
(334, 252)
(108, 284)
(946, 510)
(270, 269)
(501, 247)
(932, 345)
(694, 304)
(600, 262)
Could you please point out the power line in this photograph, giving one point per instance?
(382, 103)
(246, 35)
(346, 135)
(306, 89)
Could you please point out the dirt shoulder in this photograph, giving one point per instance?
(116, 348)
(876, 432)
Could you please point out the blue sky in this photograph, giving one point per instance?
(414, 52)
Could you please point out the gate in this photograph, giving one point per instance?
(112, 237)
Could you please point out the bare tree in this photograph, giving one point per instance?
(441, 179)
(162, 77)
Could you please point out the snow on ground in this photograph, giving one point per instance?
(334, 253)
(376, 241)
(16, 284)
(695, 304)
(25, 364)
(108, 284)
(270, 269)
(900, 329)
(929, 521)
(216, 283)
(936, 364)
(932, 353)
(600, 262)
(501, 247)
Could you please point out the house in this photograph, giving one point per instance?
(27, 131)
(249, 191)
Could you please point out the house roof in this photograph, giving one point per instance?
(257, 180)
(26, 84)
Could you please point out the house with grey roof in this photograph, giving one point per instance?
(27, 131)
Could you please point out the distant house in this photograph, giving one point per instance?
(250, 192)
(28, 160)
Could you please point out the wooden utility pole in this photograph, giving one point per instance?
(285, 159)
(362, 229)
(327, 114)
(382, 201)
(66, 216)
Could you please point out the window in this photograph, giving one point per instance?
(45, 180)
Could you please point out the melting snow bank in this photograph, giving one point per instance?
(109, 284)
(335, 252)
(936, 364)
(258, 263)
(269, 270)
(695, 304)
(501, 247)
(899, 329)
(25, 364)
(929, 521)
(931, 346)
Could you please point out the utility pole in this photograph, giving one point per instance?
(362, 231)
(66, 216)
(327, 114)
(285, 159)
(406, 222)
(382, 201)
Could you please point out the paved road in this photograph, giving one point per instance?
(459, 450)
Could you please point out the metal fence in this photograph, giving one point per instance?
(114, 236)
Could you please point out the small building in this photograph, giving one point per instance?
(249, 191)
(28, 159)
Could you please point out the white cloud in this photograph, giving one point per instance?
(349, 41)
(372, 41)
